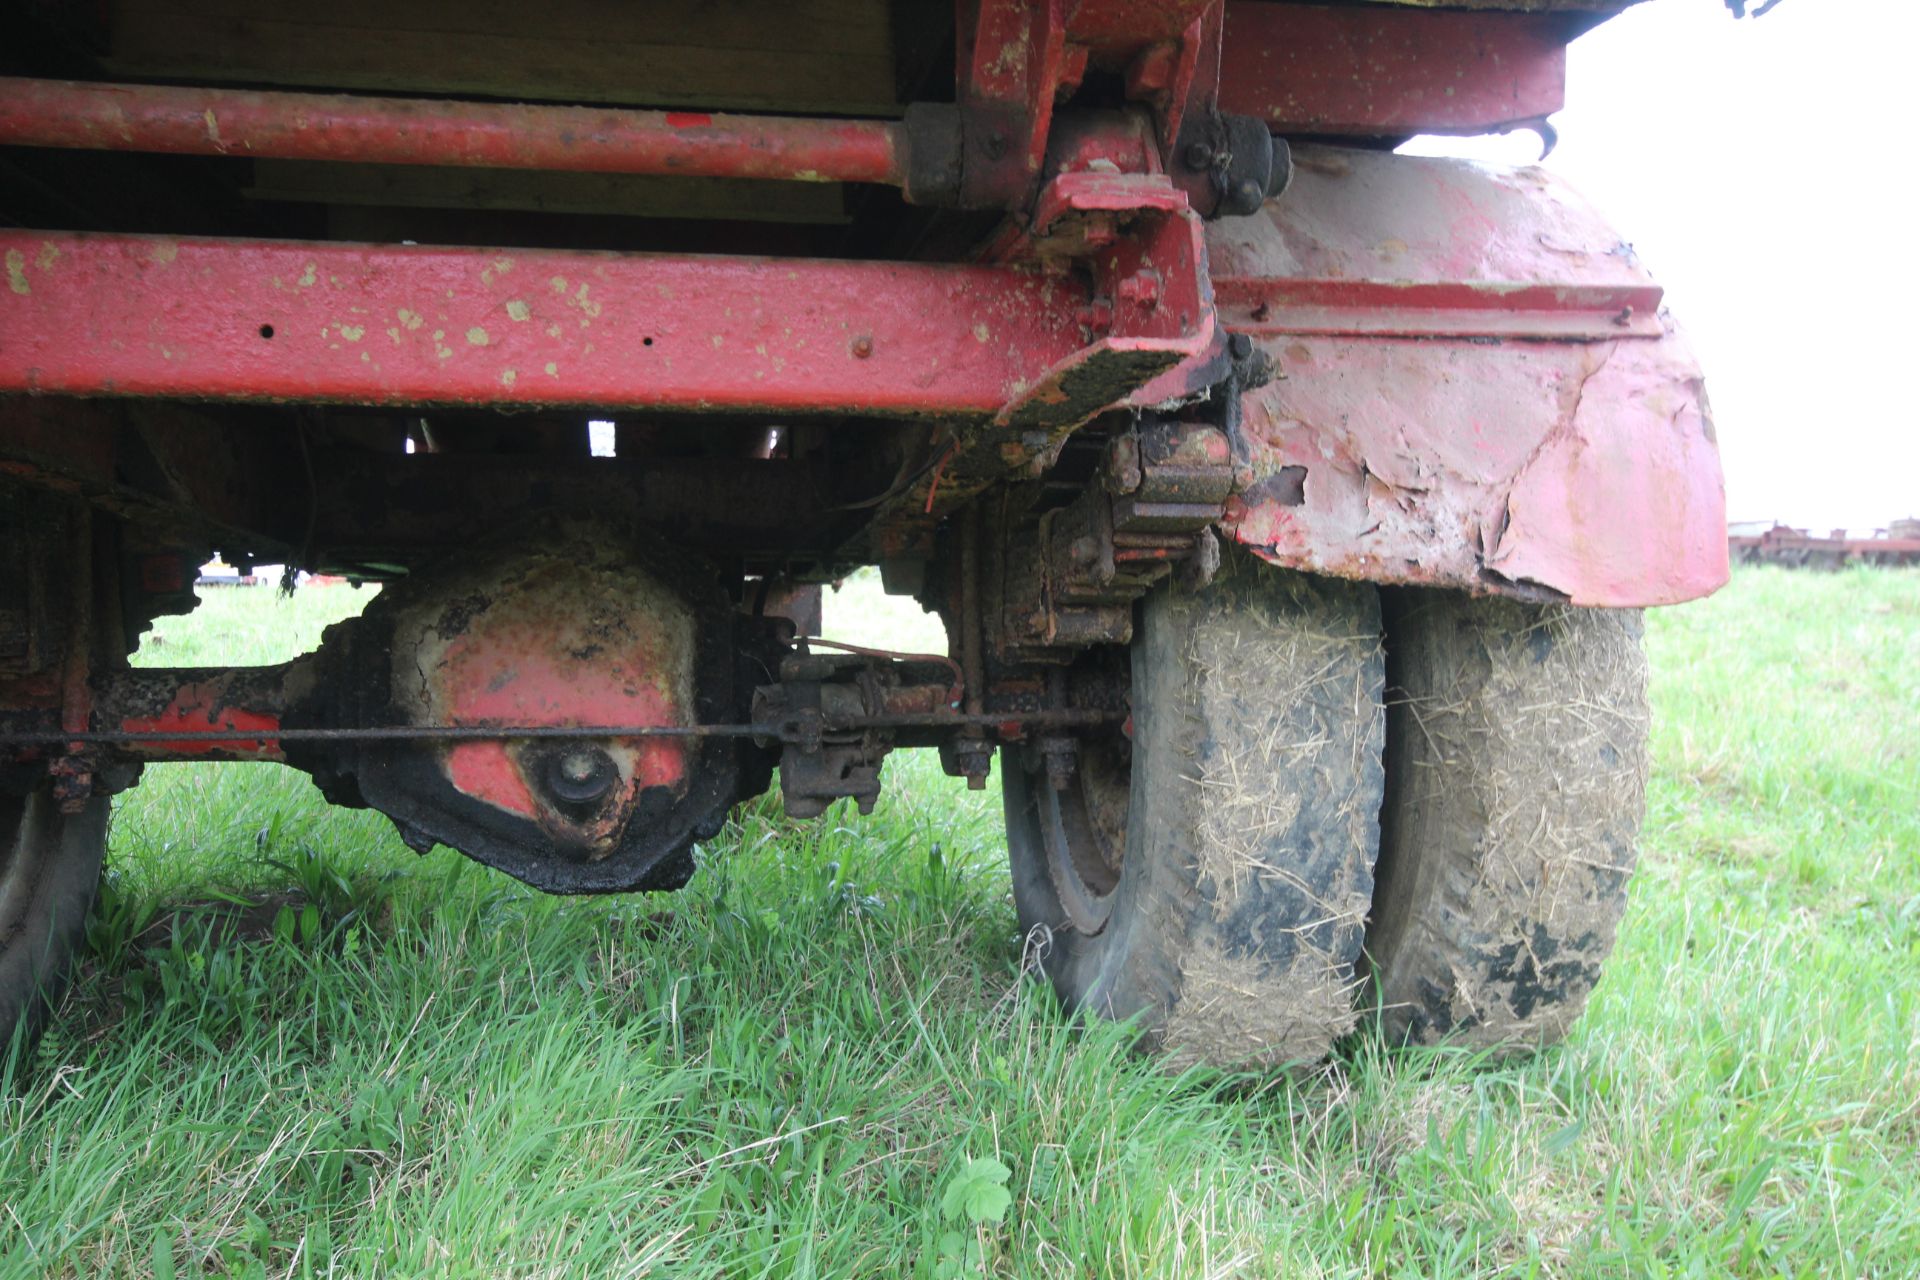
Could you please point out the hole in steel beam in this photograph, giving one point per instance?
(600, 438)
(266, 331)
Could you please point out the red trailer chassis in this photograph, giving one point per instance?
(1353, 364)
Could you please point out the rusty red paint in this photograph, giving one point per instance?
(280, 320)
(569, 635)
(315, 126)
(485, 771)
(1388, 70)
(204, 705)
(515, 670)
(1132, 24)
(518, 671)
(1573, 459)
(1012, 56)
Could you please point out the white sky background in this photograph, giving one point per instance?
(1765, 171)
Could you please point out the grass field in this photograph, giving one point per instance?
(419, 1068)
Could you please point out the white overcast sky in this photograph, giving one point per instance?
(1764, 170)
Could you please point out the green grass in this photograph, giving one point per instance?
(783, 1070)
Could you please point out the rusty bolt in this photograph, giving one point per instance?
(1197, 156)
(1142, 288)
(862, 347)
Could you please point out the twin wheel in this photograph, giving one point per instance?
(1339, 802)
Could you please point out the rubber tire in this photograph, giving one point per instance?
(1516, 782)
(1252, 824)
(49, 876)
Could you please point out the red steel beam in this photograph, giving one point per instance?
(320, 126)
(1372, 71)
(417, 325)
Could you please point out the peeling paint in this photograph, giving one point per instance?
(411, 320)
(517, 310)
(48, 255)
(309, 276)
(477, 336)
(17, 272)
(353, 332)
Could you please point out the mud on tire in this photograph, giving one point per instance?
(1234, 919)
(1516, 780)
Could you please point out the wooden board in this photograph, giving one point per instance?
(828, 56)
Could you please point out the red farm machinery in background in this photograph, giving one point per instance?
(1896, 545)
(1287, 502)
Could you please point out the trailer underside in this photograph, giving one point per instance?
(1040, 307)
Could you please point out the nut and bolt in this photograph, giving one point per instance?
(975, 762)
(1198, 155)
(584, 776)
(1062, 759)
(1142, 288)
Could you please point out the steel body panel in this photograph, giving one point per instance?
(1367, 71)
(414, 325)
(1564, 451)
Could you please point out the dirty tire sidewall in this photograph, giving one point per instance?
(1516, 783)
(49, 876)
(1253, 823)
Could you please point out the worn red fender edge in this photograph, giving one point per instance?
(1476, 387)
